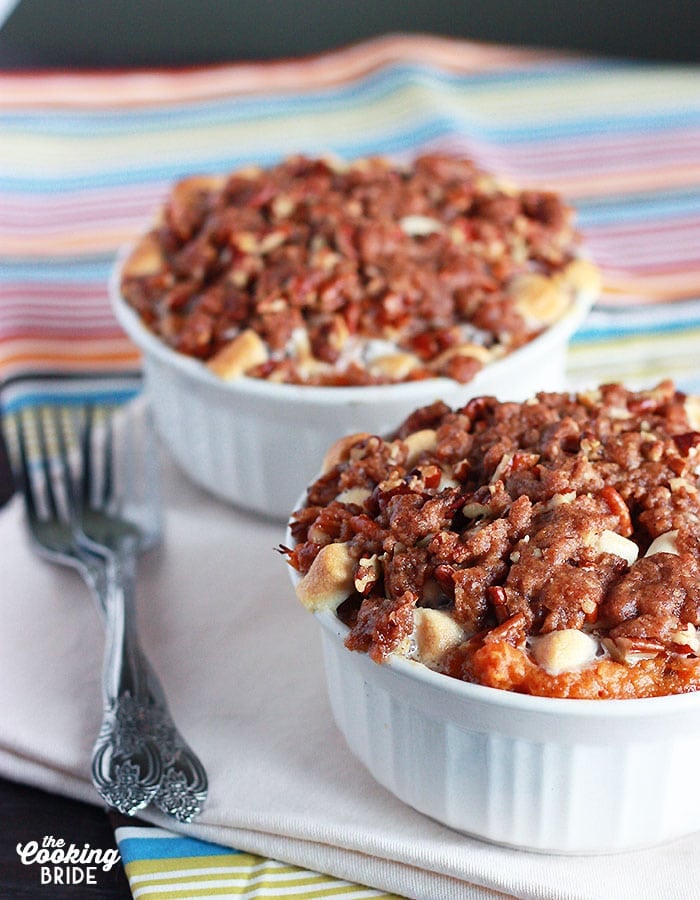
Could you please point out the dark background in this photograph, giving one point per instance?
(117, 33)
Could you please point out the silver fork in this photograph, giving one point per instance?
(96, 517)
(119, 517)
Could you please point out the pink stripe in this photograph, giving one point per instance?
(64, 331)
(11, 318)
(72, 295)
(642, 250)
(77, 290)
(28, 211)
(675, 245)
(582, 153)
(689, 267)
(635, 258)
(43, 313)
(612, 150)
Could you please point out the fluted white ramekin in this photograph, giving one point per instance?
(550, 775)
(257, 444)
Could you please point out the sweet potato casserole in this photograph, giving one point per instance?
(550, 547)
(313, 272)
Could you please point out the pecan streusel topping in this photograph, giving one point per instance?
(368, 273)
(549, 547)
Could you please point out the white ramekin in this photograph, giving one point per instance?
(550, 775)
(257, 444)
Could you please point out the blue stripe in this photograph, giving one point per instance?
(637, 207)
(685, 312)
(599, 125)
(62, 387)
(31, 397)
(55, 271)
(621, 329)
(133, 849)
(690, 384)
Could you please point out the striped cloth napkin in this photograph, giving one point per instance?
(167, 866)
(84, 158)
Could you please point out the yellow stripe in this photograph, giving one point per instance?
(638, 347)
(234, 875)
(262, 878)
(635, 361)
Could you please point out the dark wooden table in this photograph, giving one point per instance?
(29, 815)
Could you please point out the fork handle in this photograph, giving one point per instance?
(126, 765)
(124, 672)
(132, 687)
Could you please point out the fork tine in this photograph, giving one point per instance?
(88, 470)
(108, 457)
(45, 457)
(98, 483)
(24, 472)
(29, 425)
(63, 462)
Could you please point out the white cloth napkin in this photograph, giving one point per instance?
(240, 661)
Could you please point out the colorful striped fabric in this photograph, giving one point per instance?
(163, 866)
(85, 157)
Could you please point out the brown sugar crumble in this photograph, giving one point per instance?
(550, 547)
(316, 272)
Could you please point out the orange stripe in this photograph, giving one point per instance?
(117, 340)
(84, 361)
(42, 242)
(658, 287)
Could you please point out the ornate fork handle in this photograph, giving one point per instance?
(140, 757)
(183, 787)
